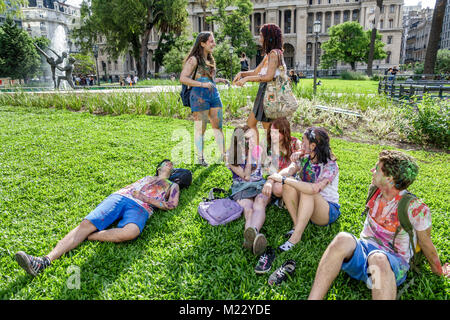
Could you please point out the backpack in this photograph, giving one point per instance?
(182, 177)
(219, 211)
(405, 224)
(185, 93)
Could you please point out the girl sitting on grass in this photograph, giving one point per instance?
(313, 193)
(245, 164)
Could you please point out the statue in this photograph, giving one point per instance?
(52, 62)
(68, 68)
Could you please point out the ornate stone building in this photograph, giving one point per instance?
(296, 19)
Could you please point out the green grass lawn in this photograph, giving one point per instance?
(56, 166)
(344, 86)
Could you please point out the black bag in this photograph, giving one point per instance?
(182, 177)
(186, 92)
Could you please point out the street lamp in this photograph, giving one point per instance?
(316, 29)
(231, 50)
(95, 48)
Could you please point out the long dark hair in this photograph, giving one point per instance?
(320, 137)
(197, 51)
(234, 151)
(273, 37)
(284, 127)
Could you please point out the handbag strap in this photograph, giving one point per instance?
(195, 73)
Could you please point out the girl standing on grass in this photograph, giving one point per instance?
(313, 193)
(271, 40)
(244, 161)
(204, 98)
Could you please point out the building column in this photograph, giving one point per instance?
(342, 17)
(300, 52)
(332, 18)
(282, 21)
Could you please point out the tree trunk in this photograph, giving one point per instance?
(373, 37)
(353, 65)
(143, 54)
(435, 34)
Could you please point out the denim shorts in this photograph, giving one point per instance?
(203, 99)
(334, 212)
(357, 266)
(118, 207)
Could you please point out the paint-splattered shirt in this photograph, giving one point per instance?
(163, 190)
(382, 222)
(317, 172)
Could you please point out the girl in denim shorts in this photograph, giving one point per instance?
(199, 72)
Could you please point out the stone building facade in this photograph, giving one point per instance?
(445, 35)
(296, 19)
(417, 32)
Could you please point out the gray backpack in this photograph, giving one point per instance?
(219, 210)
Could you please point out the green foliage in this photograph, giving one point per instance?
(74, 160)
(442, 61)
(127, 25)
(11, 8)
(18, 56)
(352, 75)
(430, 123)
(223, 60)
(84, 64)
(349, 43)
(235, 25)
(173, 60)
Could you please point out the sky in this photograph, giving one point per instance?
(425, 3)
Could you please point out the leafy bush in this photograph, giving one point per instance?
(429, 122)
(352, 75)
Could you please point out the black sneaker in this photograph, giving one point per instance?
(265, 261)
(32, 265)
(283, 272)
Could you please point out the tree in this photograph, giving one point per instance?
(173, 60)
(84, 64)
(18, 56)
(235, 25)
(435, 36)
(127, 25)
(443, 62)
(350, 43)
(223, 59)
(373, 36)
(11, 7)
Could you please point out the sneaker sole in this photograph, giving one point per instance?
(249, 237)
(259, 245)
(262, 272)
(24, 262)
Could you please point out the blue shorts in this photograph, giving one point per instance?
(118, 207)
(203, 99)
(357, 266)
(334, 212)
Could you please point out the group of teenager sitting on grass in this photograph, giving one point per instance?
(303, 177)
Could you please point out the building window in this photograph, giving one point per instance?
(392, 8)
(388, 58)
(391, 24)
(389, 40)
(287, 21)
(381, 24)
(258, 24)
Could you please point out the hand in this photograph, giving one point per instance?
(137, 194)
(241, 82)
(208, 85)
(446, 270)
(297, 155)
(237, 77)
(267, 189)
(276, 177)
(247, 177)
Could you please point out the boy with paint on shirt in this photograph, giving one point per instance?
(375, 258)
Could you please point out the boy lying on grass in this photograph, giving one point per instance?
(132, 206)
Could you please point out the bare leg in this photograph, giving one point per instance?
(216, 119)
(311, 207)
(340, 249)
(253, 124)
(259, 211)
(247, 204)
(128, 232)
(200, 118)
(72, 239)
(291, 198)
(384, 286)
